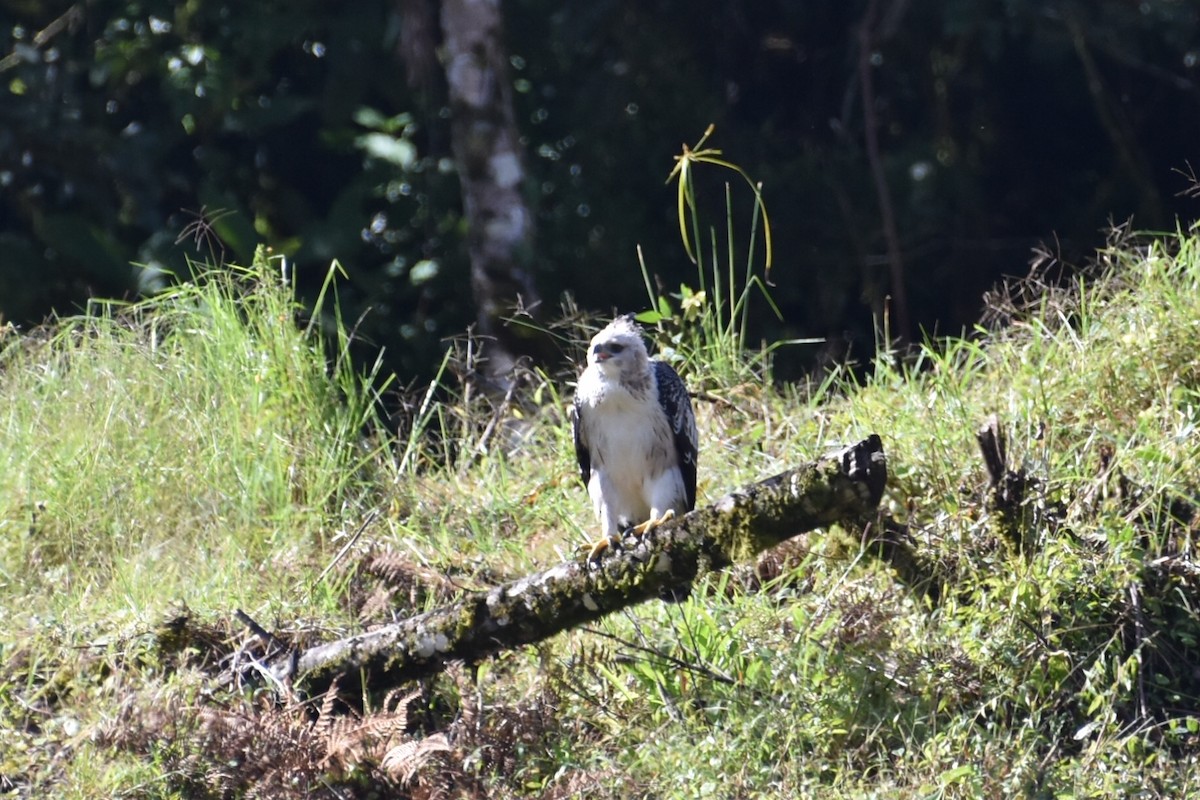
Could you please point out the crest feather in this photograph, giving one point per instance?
(626, 323)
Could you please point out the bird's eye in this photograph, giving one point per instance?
(616, 349)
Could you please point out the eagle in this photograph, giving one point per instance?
(635, 435)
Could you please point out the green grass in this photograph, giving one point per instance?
(196, 453)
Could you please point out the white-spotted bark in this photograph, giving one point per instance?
(844, 488)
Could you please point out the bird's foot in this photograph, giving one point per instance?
(597, 548)
(639, 531)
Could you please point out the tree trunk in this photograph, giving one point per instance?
(488, 152)
(843, 488)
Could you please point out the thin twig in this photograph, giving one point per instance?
(481, 446)
(370, 518)
(714, 399)
(1141, 639)
(43, 37)
(262, 669)
(866, 42)
(258, 630)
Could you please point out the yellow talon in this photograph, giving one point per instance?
(599, 546)
(651, 524)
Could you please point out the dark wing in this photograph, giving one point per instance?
(675, 403)
(581, 452)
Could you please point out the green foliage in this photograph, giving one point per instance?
(1033, 675)
(685, 163)
(190, 450)
(709, 328)
(124, 118)
(203, 449)
(129, 431)
(140, 119)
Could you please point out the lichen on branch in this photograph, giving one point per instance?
(843, 488)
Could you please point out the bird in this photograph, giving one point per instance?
(635, 436)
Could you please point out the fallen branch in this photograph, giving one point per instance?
(843, 488)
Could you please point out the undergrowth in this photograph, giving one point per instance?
(165, 464)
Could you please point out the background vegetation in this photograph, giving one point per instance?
(216, 445)
(1000, 125)
(167, 463)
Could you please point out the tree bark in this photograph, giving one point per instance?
(489, 155)
(843, 488)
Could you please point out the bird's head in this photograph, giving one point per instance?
(619, 351)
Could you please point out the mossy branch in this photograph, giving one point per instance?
(843, 488)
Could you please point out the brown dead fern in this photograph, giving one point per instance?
(263, 751)
(381, 739)
(387, 585)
